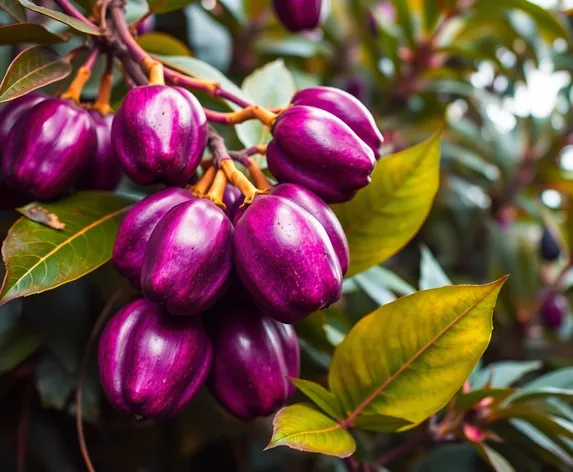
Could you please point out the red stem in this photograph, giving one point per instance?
(72, 11)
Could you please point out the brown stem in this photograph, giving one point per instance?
(218, 189)
(201, 188)
(81, 375)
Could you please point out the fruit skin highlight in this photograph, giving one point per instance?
(188, 258)
(159, 134)
(253, 357)
(285, 259)
(136, 228)
(150, 364)
(315, 149)
(346, 107)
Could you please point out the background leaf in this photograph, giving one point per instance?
(431, 273)
(32, 69)
(161, 43)
(14, 9)
(162, 6)
(61, 17)
(384, 216)
(39, 258)
(28, 33)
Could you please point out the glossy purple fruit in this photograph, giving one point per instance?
(188, 259)
(285, 259)
(150, 364)
(315, 149)
(300, 15)
(103, 171)
(159, 134)
(346, 107)
(553, 311)
(48, 149)
(253, 357)
(12, 111)
(322, 212)
(233, 199)
(136, 228)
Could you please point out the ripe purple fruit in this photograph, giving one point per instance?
(315, 149)
(150, 364)
(136, 228)
(103, 171)
(233, 199)
(322, 212)
(549, 247)
(12, 111)
(253, 357)
(188, 258)
(553, 311)
(285, 259)
(346, 107)
(300, 15)
(159, 134)
(48, 149)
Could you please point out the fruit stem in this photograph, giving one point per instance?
(252, 112)
(155, 69)
(260, 180)
(239, 180)
(72, 11)
(83, 75)
(102, 101)
(243, 155)
(200, 188)
(218, 189)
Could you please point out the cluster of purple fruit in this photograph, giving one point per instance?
(52, 145)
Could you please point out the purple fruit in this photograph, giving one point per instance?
(49, 148)
(553, 311)
(136, 228)
(346, 107)
(301, 15)
(103, 171)
(253, 357)
(233, 199)
(150, 364)
(188, 259)
(12, 111)
(315, 149)
(322, 212)
(159, 134)
(285, 259)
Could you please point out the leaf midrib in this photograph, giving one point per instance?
(352, 416)
(301, 433)
(56, 249)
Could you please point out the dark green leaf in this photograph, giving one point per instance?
(377, 292)
(523, 396)
(164, 6)
(39, 258)
(32, 69)
(405, 20)
(28, 33)
(449, 458)
(542, 441)
(14, 9)
(61, 17)
(493, 458)
(467, 400)
(161, 43)
(15, 346)
(431, 14)
(324, 399)
(562, 378)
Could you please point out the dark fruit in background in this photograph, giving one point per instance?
(159, 134)
(313, 148)
(48, 149)
(147, 26)
(150, 364)
(346, 107)
(188, 259)
(233, 199)
(549, 248)
(322, 212)
(252, 357)
(136, 228)
(12, 111)
(301, 15)
(103, 171)
(553, 311)
(285, 259)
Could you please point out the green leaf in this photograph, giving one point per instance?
(164, 6)
(39, 258)
(493, 458)
(201, 70)
(455, 457)
(29, 33)
(523, 396)
(16, 345)
(325, 400)
(431, 14)
(384, 216)
(562, 378)
(32, 69)
(405, 20)
(61, 17)
(431, 273)
(386, 278)
(304, 428)
(504, 373)
(270, 86)
(542, 441)
(408, 358)
(377, 292)
(161, 43)
(467, 400)
(14, 9)
(380, 423)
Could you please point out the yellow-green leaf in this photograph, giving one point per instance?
(161, 43)
(39, 258)
(384, 216)
(324, 399)
(304, 428)
(408, 358)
